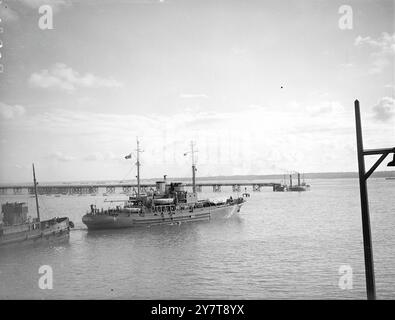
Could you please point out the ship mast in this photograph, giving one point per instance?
(193, 168)
(192, 152)
(35, 193)
(138, 168)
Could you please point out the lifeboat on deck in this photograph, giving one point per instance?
(164, 201)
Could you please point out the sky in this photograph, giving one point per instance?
(261, 87)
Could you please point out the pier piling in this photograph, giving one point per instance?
(363, 177)
(367, 240)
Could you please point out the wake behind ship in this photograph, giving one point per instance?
(168, 204)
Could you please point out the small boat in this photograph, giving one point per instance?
(164, 201)
(17, 228)
(299, 187)
(280, 188)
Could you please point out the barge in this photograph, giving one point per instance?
(17, 228)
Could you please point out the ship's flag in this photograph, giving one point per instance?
(128, 156)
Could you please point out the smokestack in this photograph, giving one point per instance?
(298, 179)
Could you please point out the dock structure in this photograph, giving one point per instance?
(127, 189)
(217, 188)
(110, 189)
(123, 188)
(17, 190)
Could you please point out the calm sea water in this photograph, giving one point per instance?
(280, 246)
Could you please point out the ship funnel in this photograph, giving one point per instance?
(161, 187)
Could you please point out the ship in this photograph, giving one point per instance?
(301, 186)
(168, 204)
(17, 228)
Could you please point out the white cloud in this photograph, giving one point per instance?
(346, 65)
(9, 112)
(232, 137)
(321, 108)
(59, 156)
(93, 157)
(325, 108)
(193, 95)
(100, 156)
(384, 110)
(383, 50)
(65, 78)
(253, 139)
(385, 42)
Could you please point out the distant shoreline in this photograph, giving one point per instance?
(271, 177)
(311, 175)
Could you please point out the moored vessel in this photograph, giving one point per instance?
(300, 187)
(170, 203)
(17, 228)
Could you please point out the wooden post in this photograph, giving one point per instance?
(367, 240)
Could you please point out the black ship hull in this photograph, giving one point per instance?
(123, 220)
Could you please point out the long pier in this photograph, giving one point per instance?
(123, 188)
